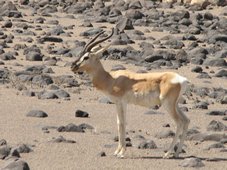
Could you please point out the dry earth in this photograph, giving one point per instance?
(16, 128)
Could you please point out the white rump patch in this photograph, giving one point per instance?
(179, 79)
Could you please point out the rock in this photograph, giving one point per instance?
(23, 148)
(134, 14)
(203, 75)
(105, 100)
(207, 137)
(61, 139)
(202, 105)
(16, 165)
(3, 142)
(37, 113)
(4, 151)
(165, 134)
(216, 126)
(42, 80)
(124, 24)
(215, 146)
(102, 154)
(7, 56)
(70, 128)
(91, 32)
(219, 62)
(197, 69)
(80, 113)
(192, 162)
(221, 73)
(50, 61)
(14, 153)
(224, 100)
(149, 144)
(8, 24)
(61, 94)
(47, 95)
(50, 39)
(57, 30)
(217, 113)
(114, 12)
(85, 126)
(34, 56)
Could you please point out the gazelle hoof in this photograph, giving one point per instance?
(168, 155)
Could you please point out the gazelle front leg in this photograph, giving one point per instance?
(121, 109)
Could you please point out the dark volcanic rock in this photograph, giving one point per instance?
(42, 80)
(215, 62)
(150, 144)
(192, 162)
(50, 39)
(165, 134)
(47, 95)
(197, 69)
(3, 142)
(91, 32)
(217, 113)
(7, 56)
(215, 146)
(61, 139)
(34, 56)
(80, 113)
(70, 128)
(221, 73)
(102, 154)
(61, 93)
(37, 113)
(207, 137)
(124, 24)
(134, 14)
(23, 148)
(216, 126)
(202, 105)
(4, 151)
(16, 165)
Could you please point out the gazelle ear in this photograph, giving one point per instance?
(100, 51)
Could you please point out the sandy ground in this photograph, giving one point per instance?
(16, 128)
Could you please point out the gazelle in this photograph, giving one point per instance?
(144, 89)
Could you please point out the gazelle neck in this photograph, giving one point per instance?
(101, 79)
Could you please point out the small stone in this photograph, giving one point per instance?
(197, 69)
(215, 146)
(23, 148)
(165, 134)
(192, 162)
(14, 152)
(150, 144)
(70, 128)
(102, 154)
(4, 151)
(216, 126)
(3, 142)
(37, 113)
(80, 113)
(16, 165)
(217, 113)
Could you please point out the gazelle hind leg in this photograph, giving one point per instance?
(170, 151)
(186, 122)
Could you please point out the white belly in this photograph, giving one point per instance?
(147, 99)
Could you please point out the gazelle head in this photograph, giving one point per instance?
(90, 53)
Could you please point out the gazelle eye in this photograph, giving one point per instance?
(86, 58)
